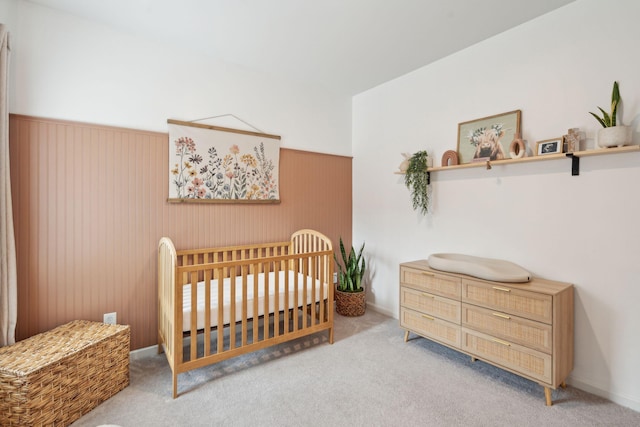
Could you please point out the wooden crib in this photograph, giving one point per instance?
(260, 295)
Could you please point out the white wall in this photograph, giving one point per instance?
(7, 12)
(582, 230)
(69, 68)
(8, 17)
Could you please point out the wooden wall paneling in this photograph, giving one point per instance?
(90, 206)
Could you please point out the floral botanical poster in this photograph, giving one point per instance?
(208, 163)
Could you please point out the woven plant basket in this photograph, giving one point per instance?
(350, 304)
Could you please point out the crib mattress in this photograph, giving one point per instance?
(301, 282)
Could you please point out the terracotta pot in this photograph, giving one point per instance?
(615, 136)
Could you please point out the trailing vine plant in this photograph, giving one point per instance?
(417, 181)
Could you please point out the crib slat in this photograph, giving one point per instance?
(314, 273)
(207, 311)
(256, 318)
(219, 275)
(194, 315)
(305, 285)
(296, 295)
(265, 306)
(232, 314)
(323, 284)
(244, 307)
(276, 302)
(287, 303)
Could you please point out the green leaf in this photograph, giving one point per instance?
(615, 94)
(615, 100)
(598, 119)
(605, 118)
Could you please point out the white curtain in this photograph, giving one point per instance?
(8, 276)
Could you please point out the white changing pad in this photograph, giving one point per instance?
(484, 268)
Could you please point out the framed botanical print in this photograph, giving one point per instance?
(487, 138)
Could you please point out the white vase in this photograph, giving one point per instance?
(615, 136)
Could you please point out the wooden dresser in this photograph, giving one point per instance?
(524, 328)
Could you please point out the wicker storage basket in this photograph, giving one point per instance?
(55, 377)
(350, 304)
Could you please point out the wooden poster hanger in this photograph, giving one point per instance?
(223, 129)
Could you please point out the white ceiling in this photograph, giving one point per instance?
(346, 45)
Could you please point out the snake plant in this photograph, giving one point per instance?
(609, 120)
(350, 277)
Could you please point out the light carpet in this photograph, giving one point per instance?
(368, 377)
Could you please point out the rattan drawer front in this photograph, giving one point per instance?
(430, 327)
(509, 299)
(516, 358)
(437, 306)
(529, 333)
(439, 284)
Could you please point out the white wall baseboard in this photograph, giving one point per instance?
(381, 310)
(141, 353)
(614, 397)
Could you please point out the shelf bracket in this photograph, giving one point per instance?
(575, 164)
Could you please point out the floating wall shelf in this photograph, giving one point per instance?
(575, 159)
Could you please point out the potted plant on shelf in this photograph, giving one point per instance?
(350, 295)
(611, 134)
(416, 179)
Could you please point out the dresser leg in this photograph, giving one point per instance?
(406, 336)
(473, 359)
(547, 396)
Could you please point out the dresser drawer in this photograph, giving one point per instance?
(444, 308)
(509, 299)
(513, 357)
(430, 327)
(511, 328)
(434, 283)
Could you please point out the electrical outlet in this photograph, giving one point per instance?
(110, 318)
(335, 277)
